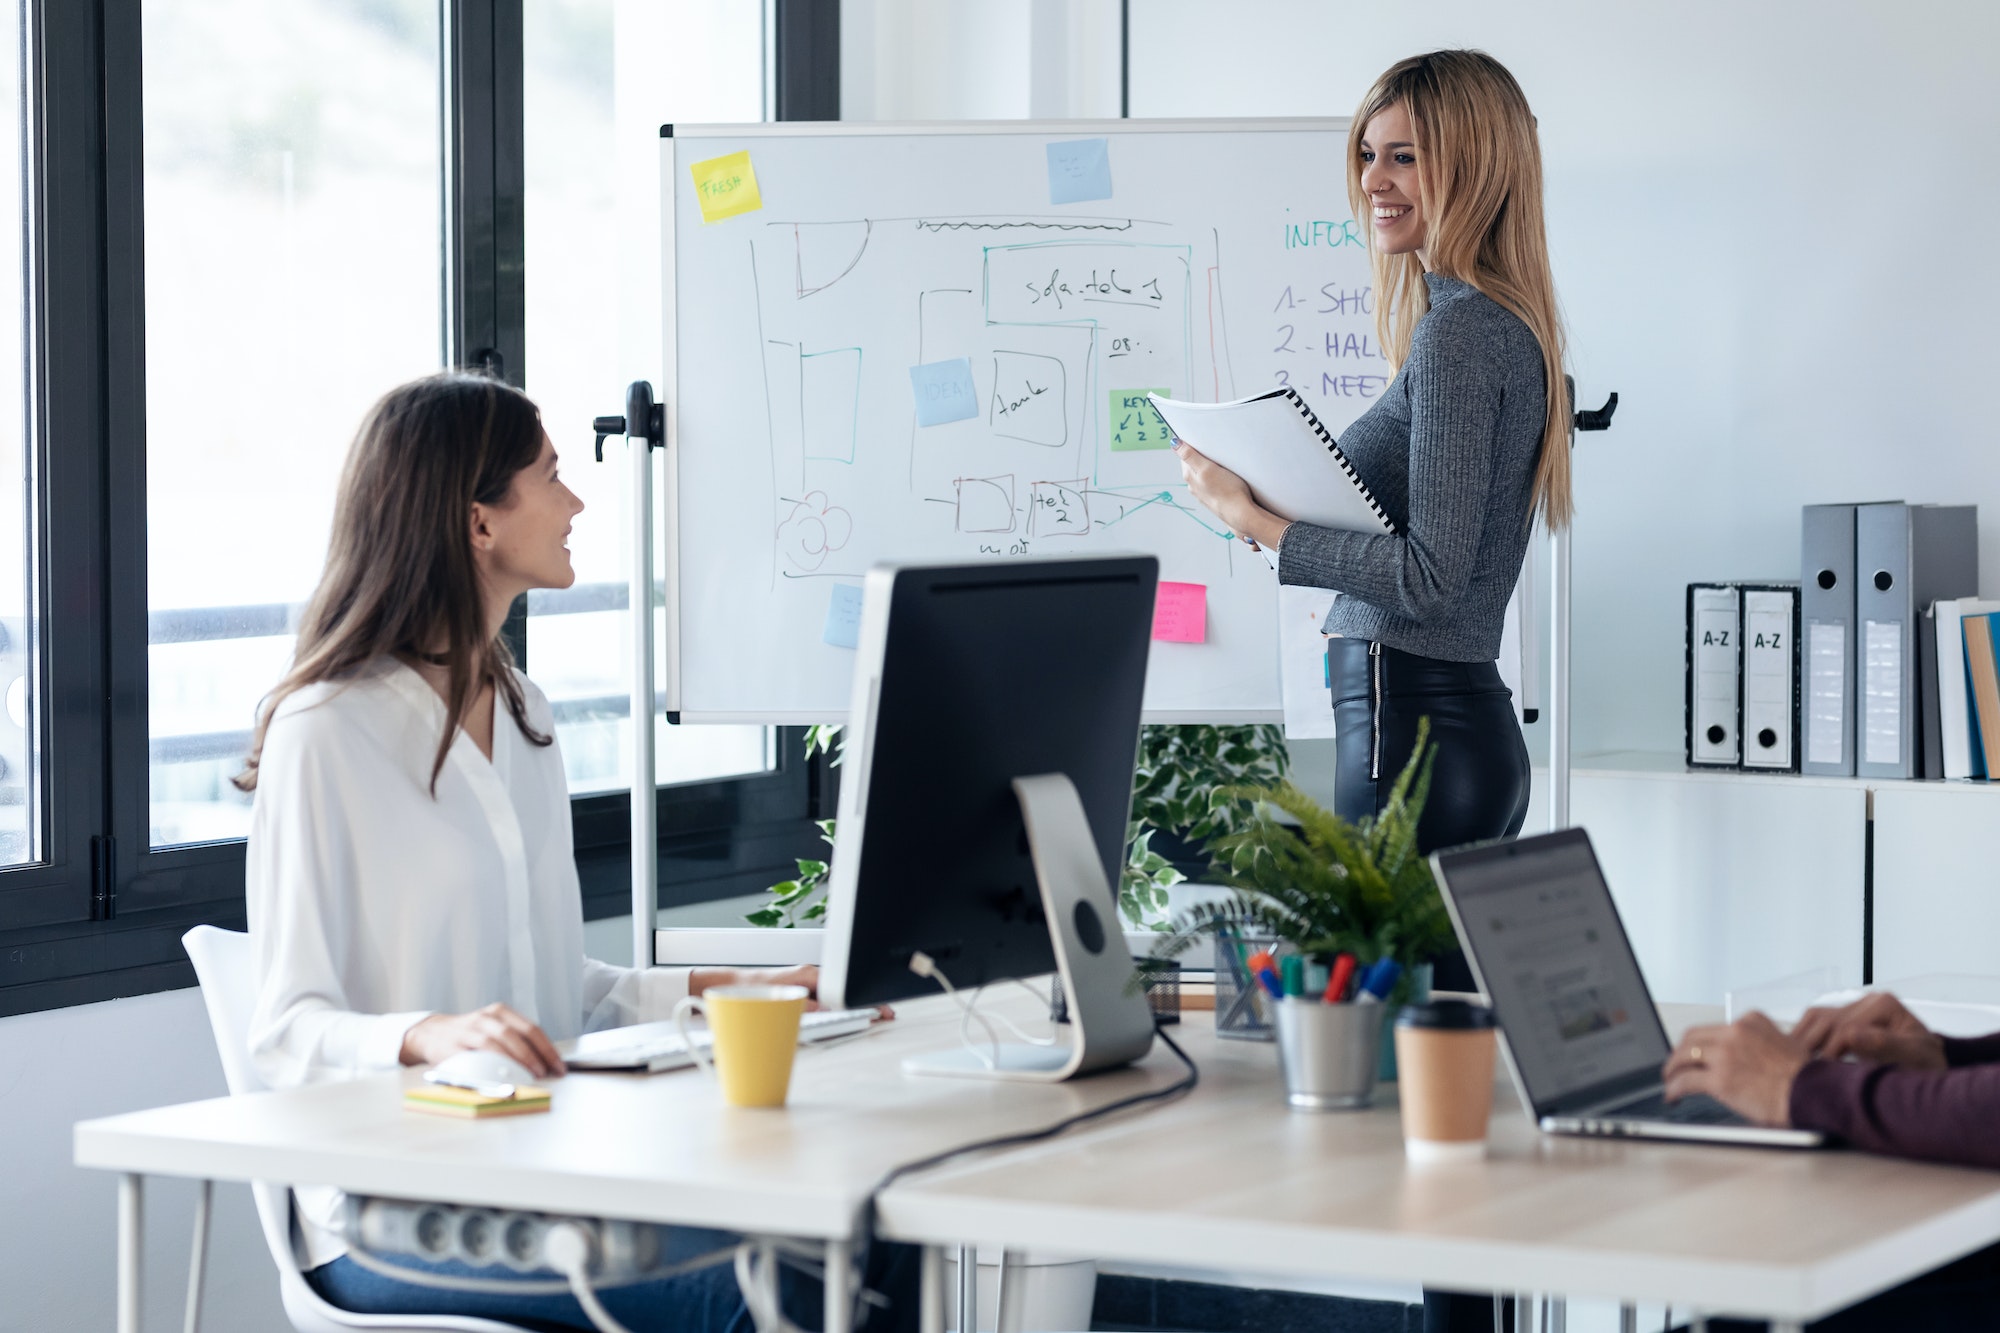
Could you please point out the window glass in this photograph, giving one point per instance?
(20, 780)
(601, 77)
(293, 274)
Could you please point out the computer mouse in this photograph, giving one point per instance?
(479, 1069)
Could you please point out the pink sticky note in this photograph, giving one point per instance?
(1180, 613)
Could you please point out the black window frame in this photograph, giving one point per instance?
(100, 916)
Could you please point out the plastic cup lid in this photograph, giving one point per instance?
(1447, 1015)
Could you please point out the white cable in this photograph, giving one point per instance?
(757, 1279)
(1010, 1024)
(924, 965)
(567, 1248)
(1049, 1040)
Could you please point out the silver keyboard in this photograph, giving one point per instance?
(655, 1047)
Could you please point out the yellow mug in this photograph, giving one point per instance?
(756, 1031)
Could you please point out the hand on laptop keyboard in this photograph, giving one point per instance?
(1747, 1065)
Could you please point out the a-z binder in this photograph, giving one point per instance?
(1906, 557)
(1769, 692)
(1826, 663)
(1714, 626)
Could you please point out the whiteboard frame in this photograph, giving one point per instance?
(670, 341)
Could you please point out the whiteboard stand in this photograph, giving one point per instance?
(1559, 593)
(644, 429)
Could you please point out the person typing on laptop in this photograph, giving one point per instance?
(1870, 1073)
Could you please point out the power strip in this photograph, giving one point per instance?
(485, 1237)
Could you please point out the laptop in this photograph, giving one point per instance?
(1584, 1042)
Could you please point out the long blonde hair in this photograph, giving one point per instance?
(1479, 176)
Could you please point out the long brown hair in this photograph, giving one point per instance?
(1479, 175)
(400, 578)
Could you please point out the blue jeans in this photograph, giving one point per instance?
(704, 1301)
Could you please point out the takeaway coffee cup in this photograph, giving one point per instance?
(1444, 1059)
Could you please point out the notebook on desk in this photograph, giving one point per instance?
(1583, 1037)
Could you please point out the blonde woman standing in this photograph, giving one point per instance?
(1467, 445)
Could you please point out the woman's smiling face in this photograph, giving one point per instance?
(1389, 179)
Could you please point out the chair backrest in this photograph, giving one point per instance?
(226, 967)
(227, 971)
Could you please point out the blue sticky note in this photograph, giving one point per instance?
(843, 617)
(944, 391)
(1079, 170)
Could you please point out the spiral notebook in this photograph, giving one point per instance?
(1291, 462)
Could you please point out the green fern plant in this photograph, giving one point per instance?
(1299, 873)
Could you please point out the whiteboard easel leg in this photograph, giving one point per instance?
(645, 836)
(1559, 740)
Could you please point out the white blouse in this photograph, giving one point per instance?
(373, 905)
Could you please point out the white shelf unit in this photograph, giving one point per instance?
(1733, 879)
(1937, 878)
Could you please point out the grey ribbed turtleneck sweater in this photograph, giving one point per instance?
(1450, 451)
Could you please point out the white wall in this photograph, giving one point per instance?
(58, 1223)
(978, 59)
(1767, 225)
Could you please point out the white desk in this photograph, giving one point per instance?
(1784, 1235)
(656, 1149)
(1768, 1233)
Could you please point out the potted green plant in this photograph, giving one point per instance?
(1301, 875)
(1146, 876)
(802, 901)
(1188, 781)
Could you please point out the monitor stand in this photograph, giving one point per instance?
(1111, 1022)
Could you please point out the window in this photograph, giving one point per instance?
(600, 78)
(293, 272)
(236, 224)
(21, 804)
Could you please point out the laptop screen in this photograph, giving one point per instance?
(1538, 920)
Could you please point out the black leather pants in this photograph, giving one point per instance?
(1479, 785)
(1479, 790)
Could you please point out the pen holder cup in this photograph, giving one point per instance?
(1242, 1009)
(1330, 1053)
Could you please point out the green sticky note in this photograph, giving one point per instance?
(1134, 423)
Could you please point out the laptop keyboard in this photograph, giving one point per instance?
(1695, 1110)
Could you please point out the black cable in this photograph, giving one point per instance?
(865, 1225)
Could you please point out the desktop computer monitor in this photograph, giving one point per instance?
(985, 791)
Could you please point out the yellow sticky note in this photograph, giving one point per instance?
(726, 186)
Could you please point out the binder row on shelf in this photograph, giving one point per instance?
(1743, 676)
(1870, 665)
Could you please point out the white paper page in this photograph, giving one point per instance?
(1308, 695)
(1266, 442)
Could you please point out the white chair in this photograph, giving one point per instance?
(225, 968)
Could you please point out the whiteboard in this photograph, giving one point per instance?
(1223, 263)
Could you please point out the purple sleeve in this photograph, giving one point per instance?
(1962, 1051)
(1938, 1115)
